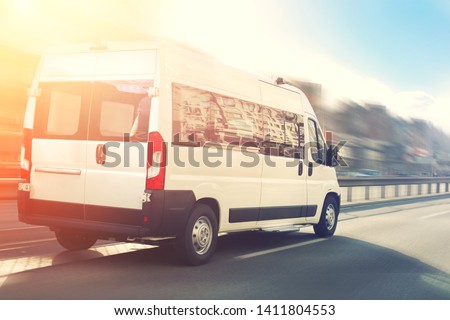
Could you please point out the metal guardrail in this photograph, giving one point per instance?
(425, 185)
(380, 181)
(402, 186)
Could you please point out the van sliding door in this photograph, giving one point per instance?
(284, 193)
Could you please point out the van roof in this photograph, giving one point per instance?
(111, 46)
(152, 44)
(102, 46)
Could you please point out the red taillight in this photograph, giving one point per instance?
(25, 155)
(156, 162)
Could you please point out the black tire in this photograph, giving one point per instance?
(198, 241)
(73, 240)
(328, 219)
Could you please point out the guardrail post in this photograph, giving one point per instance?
(446, 187)
(367, 193)
(419, 189)
(429, 188)
(409, 190)
(349, 194)
(397, 187)
(383, 192)
(438, 187)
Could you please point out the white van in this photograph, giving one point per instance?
(150, 142)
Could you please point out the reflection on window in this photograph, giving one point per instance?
(283, 133)
(64, 113)
(201, 116)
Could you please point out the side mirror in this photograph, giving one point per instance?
(332, 156)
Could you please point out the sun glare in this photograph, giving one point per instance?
(24, 7)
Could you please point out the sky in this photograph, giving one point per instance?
(391, 52)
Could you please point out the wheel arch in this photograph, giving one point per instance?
(326, 226)
(214, 205)
(336, 197)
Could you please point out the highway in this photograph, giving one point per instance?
(398, 250)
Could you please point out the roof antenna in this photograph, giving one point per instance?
(99, 44)
(280, 81)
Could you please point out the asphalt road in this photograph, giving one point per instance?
(394, 251)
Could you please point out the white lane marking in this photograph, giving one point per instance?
(269, 251)
(13, 248)
(24, 242)
(435, 215)
(2, 280)
(11, 266)
(23, 228)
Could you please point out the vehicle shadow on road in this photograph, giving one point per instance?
(73, 256)
(338, 268)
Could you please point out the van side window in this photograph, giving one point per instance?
(283, 133)
(317, 145)
(238, 125)
(200, 116)
(294, 140)
(190, 115)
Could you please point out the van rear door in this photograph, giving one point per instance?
(59, 148)
(91, 103)
(116, 156)
(117, 151)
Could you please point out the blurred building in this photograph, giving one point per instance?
(377, 143)
(16, 73)
(383, 144)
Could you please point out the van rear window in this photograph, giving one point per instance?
(64, 113)
(120, 110)
(101, 111)
(116, 118)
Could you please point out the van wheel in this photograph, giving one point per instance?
(72, 240)
(196, 245)
(328, 219)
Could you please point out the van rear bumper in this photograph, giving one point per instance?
(165, 215)
(102, 230)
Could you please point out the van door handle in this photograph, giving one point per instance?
(71, 172)
(100, 154)
(310, 169)
(300, 168)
